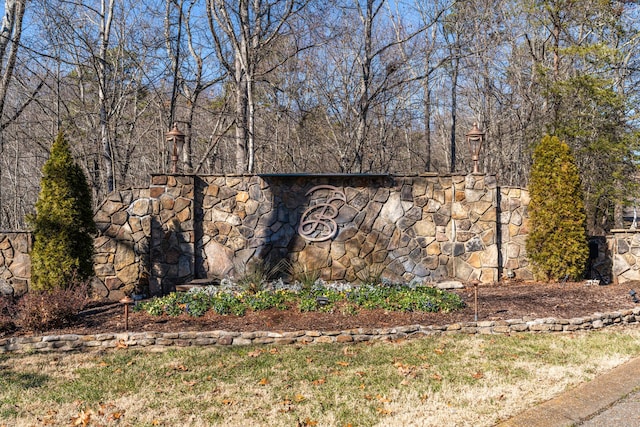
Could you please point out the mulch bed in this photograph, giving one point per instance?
(495, 302)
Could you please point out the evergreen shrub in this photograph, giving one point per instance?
(557, 242)
(63, 225)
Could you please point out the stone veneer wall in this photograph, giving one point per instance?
(514, 228)
(427, 227)
(624, 249)
(121, 258)
(15, 263)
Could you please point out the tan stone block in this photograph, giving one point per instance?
(426, 228)
(489, 216)
(489, 256)
(242, 196)
(184, 215)
(129, 274)
(21, 266)
(434, 249)
(488, 275)
(488, 237)
(167, 202)
(474, 260)
(156, 192)
(124, 256)
(113, 283)
(181, 203)
(314, 258)
(513, 250)
(459, 211)
(159, 180)
(514, 230)
(140, 207)
(135, 223)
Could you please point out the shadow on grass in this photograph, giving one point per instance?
(20, 380)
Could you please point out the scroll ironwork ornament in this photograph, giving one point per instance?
(317, 223)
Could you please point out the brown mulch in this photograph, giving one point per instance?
(495, 302)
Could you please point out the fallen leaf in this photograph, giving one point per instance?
(228, 402)
(190, 383)
(116, 415)
(299, 398)
(437, 377)
(155, 422)
(121, 345)
(309, 360)
(478, 375)
(424, 397)
(383, 411)
(263, 381)
(181, 368)
(255, 353)
(382, 399)
(274, 351)
(83, 418)
(319, 381)
(342, 363)
(361, 373)
(307, 422)
(438, 351)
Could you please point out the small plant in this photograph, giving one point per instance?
(371, 275)
(258, 273)
(321, 297)
(305, 276)
(41, 310)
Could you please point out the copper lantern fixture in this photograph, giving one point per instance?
(475, 137)
(176, 139)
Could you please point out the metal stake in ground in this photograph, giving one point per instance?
(475, 286)
(127, 301)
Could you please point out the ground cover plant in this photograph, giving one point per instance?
(228, 299)
(439, 380)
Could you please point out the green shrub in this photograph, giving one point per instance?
(63, 224)
(557, 242)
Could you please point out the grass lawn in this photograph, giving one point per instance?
(448, 380)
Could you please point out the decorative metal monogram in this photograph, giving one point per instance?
(317, 223)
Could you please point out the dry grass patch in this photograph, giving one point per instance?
(447, 380)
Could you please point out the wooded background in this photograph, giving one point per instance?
(263, 86)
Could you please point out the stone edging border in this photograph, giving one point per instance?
(72, 342)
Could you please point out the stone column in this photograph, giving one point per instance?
(172, 233)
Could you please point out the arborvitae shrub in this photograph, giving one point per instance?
(63, 225)
(557, 242)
